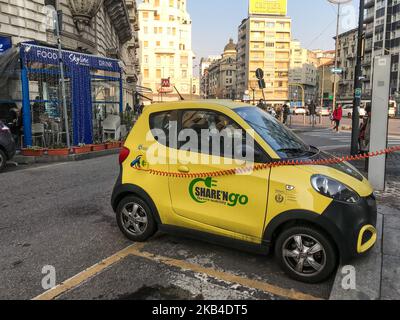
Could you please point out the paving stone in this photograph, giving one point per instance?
(391, 278)
(391, 241)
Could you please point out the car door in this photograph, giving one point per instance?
(232, 205)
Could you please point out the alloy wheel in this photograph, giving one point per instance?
(134, 219)
(304, 255)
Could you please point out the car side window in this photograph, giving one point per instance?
(221, 130)
(160, 126)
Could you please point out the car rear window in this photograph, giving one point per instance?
(160, 122)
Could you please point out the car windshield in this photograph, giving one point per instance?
(286, 144)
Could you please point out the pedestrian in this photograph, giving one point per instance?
(136, 108)
(286, 112)
(128, 108)
(337, 117)
(38, 110)
(279, 112)
(312, 110)
(141, 108)
(261, 104)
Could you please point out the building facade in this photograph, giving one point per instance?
(347, 58)
(98, 27)
(203, 74)
(302, 73)
(96, 36)
(264, 42)
(324, 95)
(166, 47)
(382, 37)
(222, 74)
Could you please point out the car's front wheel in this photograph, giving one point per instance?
(135, 219)
(3, 160)
(306, 254)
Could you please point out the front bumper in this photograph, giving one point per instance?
(355, 225)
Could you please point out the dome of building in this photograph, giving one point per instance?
(231, 46)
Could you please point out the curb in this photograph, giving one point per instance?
(368, 274)
(72, 157)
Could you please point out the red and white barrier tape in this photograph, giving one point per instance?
(259, 167)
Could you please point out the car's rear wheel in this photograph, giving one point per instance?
(3, 160)
(135, 219)
(306, 254)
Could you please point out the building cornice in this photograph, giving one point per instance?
(119, 16)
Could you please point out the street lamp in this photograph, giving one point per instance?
(338, 3)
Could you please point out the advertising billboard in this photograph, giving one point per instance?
(270, 7)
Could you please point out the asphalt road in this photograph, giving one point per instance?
(59, 215)
(327, 139)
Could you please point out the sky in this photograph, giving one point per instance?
(313, 23)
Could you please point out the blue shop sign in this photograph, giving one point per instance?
(70, 58)
(5, 44)
(79, 66)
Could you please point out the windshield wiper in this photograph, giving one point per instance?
(293, 150)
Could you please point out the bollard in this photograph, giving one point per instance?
(304, 119)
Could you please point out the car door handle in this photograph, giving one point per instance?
(183, 169)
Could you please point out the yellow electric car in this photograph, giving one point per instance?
(311, 216)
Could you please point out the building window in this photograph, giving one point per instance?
(184, 74)
(146, 73)
(158, 73)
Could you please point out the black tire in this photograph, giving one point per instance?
(148, 231)
(327, 258)
(3, 160)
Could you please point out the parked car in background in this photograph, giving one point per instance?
(323, 111)
(348, 111)
(299, 110)
(7, 145)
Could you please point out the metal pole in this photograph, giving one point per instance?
(323, 85)
(336, 57)
(62, 79)
(357, 83)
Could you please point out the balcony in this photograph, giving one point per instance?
(369, 16)
(369, 3)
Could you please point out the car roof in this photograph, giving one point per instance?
(199, 104)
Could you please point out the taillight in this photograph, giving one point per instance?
(124, 153)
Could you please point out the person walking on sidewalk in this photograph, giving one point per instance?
(337, 117)
(312, 110)
(286, 112)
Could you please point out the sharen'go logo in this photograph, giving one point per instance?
(139, 163)
(204, 190)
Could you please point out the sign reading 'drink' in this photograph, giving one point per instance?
(272, 7)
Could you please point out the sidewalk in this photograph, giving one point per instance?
(378, 273)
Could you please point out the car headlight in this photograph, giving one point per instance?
(334, 189)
